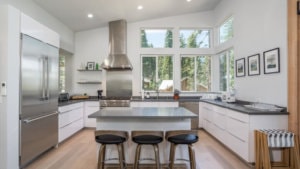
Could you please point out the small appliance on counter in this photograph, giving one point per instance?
(63, 97)
(228, 97)
(99, 94)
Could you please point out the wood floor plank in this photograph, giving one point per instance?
(80, 152)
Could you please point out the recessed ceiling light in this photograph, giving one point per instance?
(188, 0)
(90, 15)
(140, 7)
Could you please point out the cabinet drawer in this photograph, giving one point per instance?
(70, 107)
(67, 131)
(238, 146)
(76, 114)
(63, 119)
(238, 116)
(238, 129)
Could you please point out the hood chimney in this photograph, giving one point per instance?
(117, 58)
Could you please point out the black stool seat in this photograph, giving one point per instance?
(147, 139)
(110, 139)
(106, 137)
(183, 139)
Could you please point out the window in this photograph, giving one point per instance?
(226, 30)
(194, 38)
(196, 73)
(157, 73)
(62, 73)
(156, 38)
(226, 63)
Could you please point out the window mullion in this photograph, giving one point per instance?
(195, 73)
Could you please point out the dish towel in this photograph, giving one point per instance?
(279, 138)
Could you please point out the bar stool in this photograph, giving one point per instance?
(187, 137)
(147, 138)
(276, 138)
(105, 137)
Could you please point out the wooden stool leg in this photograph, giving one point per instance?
(137, 156)
(120, 153)
(124, 159)
(266, 152)
(156, 152)
(295, 153)
(257, 150)
(101, 156)
(172, 156)
(192, 156)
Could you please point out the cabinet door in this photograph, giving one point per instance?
(90, 108)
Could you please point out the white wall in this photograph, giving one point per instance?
(92, 45)
(31, 9)
(9, 73)
(258, 26)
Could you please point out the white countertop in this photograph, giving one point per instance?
(143, 112)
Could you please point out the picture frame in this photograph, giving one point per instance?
(90, 65)
(240, 67)
(272, 61)
(254, 65)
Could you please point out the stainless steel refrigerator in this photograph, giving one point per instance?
(38, 98)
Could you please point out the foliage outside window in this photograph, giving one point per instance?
(157, 73)
(226, 30)
(62, 73)
(226, 67)
(156, 38)
(194, 38)
(196, 73)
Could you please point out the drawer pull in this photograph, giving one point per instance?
(236, 137)
(237, 120)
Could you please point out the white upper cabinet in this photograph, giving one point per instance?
(36, 30)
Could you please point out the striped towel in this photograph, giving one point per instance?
(279, 138)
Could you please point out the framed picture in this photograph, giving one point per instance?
(271, 61)
(254, 65)
(90, 65)
(240, 67)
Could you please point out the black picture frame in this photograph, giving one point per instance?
(240, 67)
(254, 65)
(272, 61)
(298, 7)
(90, 65)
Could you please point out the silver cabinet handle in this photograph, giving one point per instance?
(38, 118)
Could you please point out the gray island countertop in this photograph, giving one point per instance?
(144, 112)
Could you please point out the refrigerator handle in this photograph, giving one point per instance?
(43, 79)
(38, 118)
(47, 78)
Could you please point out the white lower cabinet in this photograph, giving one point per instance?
(70, 120)
(90, 108)
(236, 129)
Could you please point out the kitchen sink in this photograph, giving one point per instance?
(263, 107)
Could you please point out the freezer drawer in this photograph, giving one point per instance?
(37, 135)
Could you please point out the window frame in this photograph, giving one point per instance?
(156, 28)
(227, 53)
(197, 28)
(156, 68)
(219, 28)
(195, 70)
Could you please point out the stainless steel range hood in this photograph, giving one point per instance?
(117, 58)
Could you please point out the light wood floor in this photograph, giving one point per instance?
(79, 152)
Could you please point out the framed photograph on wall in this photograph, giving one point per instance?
(254, 65)
(90, 65)
(271, 61)
(240, 67)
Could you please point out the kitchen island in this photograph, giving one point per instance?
(145, 118)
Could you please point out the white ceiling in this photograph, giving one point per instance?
(73, 13)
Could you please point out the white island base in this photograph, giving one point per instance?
(157, 121)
